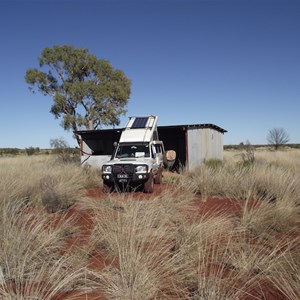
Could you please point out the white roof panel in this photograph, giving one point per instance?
(139, 129)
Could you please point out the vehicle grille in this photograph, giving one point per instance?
(123, 169)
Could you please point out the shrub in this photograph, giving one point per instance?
(10, 151)
(247, 155)
(52, 198)
(32, 150)
(64, 152)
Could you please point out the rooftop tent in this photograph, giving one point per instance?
(140, 129)
(141, 122)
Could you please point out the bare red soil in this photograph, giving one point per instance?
(198, 209)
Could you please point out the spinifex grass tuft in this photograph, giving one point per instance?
(31, 264)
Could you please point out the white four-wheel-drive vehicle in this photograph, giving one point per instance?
(138, 159)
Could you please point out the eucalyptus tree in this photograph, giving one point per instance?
(87, 92)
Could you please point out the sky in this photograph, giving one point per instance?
(232, 63)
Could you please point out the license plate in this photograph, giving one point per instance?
(122, 180)
(122, 176)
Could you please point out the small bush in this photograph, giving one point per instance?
(32, 150)
(61, 188)
(52, 199)
(65, 154)
(10, 151)
(247, 155)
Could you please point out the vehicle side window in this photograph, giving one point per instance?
(153, 151)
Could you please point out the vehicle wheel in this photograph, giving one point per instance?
(158, 177)
(149, 184)
(106, 188)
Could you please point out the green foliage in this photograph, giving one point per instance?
(32, 150)
(59, 145)
(10, 151)
(87, 92)
(296, 146)
(64, 152)
(213, 163)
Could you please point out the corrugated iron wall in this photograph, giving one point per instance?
(203, 144)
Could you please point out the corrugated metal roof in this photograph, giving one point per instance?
(196, 126)
(186, 126)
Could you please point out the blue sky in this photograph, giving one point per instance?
(233, 63)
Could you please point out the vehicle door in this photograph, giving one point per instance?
(158, 154)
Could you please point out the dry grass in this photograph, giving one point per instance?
(140, 235)
(31, 265)
(157, 251)
(201, 246)
(274, 183)
(42, 182)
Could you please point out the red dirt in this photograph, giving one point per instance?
(198, 209)
(138, 195)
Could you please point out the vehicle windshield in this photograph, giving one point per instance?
(133, 151)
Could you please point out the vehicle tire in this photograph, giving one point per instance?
(149, 184)
(158, 177)
(106, 188)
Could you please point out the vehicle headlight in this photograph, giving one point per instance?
(141, 169)
(106, 169)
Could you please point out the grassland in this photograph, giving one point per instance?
(224, 231)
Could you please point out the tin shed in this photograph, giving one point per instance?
(192, 143)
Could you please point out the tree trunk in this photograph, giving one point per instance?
(78, 139)
(91, 125)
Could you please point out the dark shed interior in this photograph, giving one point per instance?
(174, 138)
(100, 141)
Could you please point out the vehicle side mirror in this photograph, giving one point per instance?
(115, 144)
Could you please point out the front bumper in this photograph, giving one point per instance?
(121, 178)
